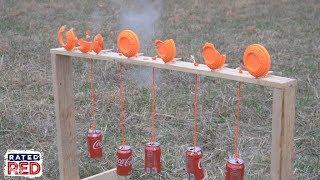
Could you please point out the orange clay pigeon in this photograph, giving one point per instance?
(85, 46)
(257, 60)
(71, 38)
(166, 50)
(212, 58)
(128, 43)
(97, 44)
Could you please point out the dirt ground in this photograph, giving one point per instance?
(290, 30)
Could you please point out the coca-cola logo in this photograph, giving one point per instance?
(199, 164)
(97, 144)
(191, 165)
(125, 162)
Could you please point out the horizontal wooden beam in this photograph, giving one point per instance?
(188, 67)
(110, 174)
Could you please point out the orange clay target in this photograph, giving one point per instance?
(85, 46)
(97, 44)
(128, 43)
(212, 58)
(71, 38)
(257, 60)
(166, 50)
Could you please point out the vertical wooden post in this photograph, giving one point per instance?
(287, 134)
(276, 133)
(283, 119)
(65, 121)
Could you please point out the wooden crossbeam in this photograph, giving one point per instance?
(188, 67)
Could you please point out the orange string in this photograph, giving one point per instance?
(153, 107)
(92, 96)
(237, 126)
(195, 110)
(122, 104)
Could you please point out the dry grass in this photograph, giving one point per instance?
(289, 29)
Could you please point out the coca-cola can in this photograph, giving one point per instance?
(193, 163)
(124, 160)
(94, 142)
(234, 169)
(152, 158)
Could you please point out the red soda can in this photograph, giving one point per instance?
(193, 163)
(94, 142)
(124, 160)
(234, 169)
(152, 158)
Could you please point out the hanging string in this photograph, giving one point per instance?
(237, 126)
(195, 110)
(122, 104)
(92, 96)
(153, 107)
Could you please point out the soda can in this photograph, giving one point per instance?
(152, 158)
(124, 160)
(94, 142)
(193, 163)
(234, 169)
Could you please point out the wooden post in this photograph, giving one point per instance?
(65, 121)
(283, 119)
(276, 133)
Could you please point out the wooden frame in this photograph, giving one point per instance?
(283, 108)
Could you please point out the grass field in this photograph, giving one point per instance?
(289, 29)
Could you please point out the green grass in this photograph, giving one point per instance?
(289, 29)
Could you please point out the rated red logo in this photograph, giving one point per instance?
(25, 163)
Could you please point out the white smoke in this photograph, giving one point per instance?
(142, 17)
(96, 20)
